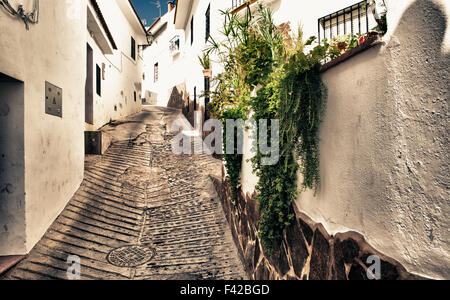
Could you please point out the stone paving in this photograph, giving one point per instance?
(141, 212)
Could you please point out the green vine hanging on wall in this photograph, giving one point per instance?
(256, 54)
(233, 162)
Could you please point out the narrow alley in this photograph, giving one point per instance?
(324, 127)
(141, 212)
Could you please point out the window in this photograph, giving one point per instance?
(135, 96)
(195, 98)
(350, 20)
(156, 72)
(133, 48)
(192, 30)
(174, 45)
(98, 79)
(208, 23)
(237, 3)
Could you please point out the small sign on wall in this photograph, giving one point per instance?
(53, 100)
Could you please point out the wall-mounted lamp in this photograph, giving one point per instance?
(150, 39)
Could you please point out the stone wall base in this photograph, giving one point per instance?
(307, 252)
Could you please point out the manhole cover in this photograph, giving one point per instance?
(131, 256)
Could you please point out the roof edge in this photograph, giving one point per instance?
(103, 23)
(137, 16)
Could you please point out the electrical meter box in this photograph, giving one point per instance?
(53, 100)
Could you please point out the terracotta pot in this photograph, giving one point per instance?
(207, 73)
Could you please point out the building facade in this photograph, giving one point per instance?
(174, 76)
(72, 71)
(115, 42)
(163, 61)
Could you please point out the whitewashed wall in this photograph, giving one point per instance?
(195, 78)
(54, 147)
(384, 153)
(169, 65)
(123, 75)
(185, 67)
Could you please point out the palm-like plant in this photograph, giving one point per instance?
(205, 61)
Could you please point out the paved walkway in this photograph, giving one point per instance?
(141, 213)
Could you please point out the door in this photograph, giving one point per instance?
(12, 165)
(89, 90)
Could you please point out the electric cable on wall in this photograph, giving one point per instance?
(27, 18)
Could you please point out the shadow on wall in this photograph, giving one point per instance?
(150, 98)
(176, 98)
(418, 91)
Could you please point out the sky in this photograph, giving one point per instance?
(148, 9)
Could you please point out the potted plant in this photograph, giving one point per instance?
(341, 42)
(206, 64)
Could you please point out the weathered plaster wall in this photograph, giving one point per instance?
(50, 51)
(169, 65)
(123, 75)
(384, 153)
(187, 60)
(384, 142)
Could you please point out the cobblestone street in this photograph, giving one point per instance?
(141, 212)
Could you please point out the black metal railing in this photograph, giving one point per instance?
(174, 44)
(237, 3)
(357, 18)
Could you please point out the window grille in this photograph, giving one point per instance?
(357, 18)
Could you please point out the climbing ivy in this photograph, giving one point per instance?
(233, 162)
(267, 71)
(296, 97)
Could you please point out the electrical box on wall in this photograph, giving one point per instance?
(53, 100)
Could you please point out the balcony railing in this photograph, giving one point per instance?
(357, 18)
(174, 45)
(237, 3)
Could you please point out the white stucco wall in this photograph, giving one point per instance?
(384, 142)
(54, 147)
(184, 67)
(123, 75)
(189, 57)
(169, 65)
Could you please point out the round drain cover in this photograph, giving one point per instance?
(131, 256)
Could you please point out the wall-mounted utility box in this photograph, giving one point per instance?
(53, 100)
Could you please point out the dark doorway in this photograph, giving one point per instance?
(12, 165)
(89, 90)
(195, 98)
(98, 80)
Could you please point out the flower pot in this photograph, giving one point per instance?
(207, 73)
